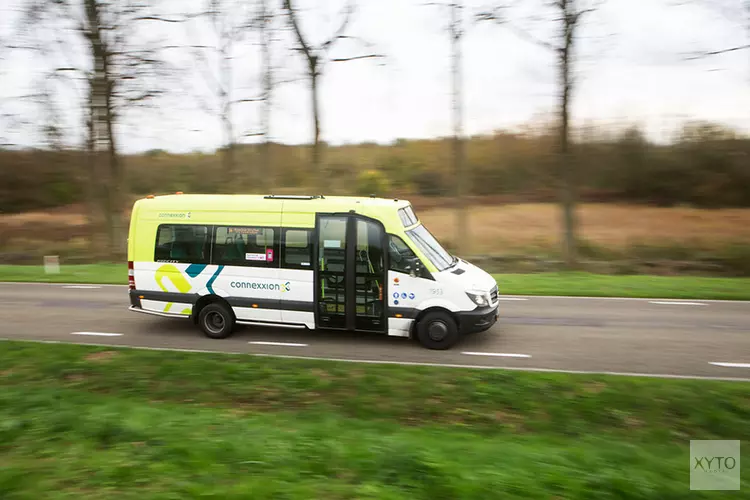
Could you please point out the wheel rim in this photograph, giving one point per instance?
(214, 322)
(437, 330)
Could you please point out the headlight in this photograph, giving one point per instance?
(479, 299)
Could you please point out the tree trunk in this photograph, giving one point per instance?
(92, 179)
(317, 164)
(230, 179)
(462, 176)
(567, 164)
(101, 123)
(228, 156)
(117, 188)
(265, 148)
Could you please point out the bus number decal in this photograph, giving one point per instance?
(436, 291)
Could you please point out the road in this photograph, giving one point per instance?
(625, 336)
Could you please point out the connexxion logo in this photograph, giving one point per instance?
(174, 215)
(252, 285)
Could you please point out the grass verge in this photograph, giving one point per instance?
(567, 283)
(107, 274)
(603, 285)
(101, 423)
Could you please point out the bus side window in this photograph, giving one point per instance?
(182, 243)
(296, 249)
(245, 246)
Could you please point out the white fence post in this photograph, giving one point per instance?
(51, 264)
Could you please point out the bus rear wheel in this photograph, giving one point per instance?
(216, 321)
(437, 330)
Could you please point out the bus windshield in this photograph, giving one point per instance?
(431, 248)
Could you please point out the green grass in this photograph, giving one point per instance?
(565, 283)
(109, 274)
(602, 285)
(78, 421)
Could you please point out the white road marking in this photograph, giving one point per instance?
(81, 287)
(636, 299)
(384, 362)
(731, 365)
(286, 344)
(98, 334)
(675, 303)
(497, 354)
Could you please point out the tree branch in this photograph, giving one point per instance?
(354, 58)
(703, 55)
(297, 31)
(254, 99)
(339, 34)
(160, 19)
(144, 96)
(578, 15)
(496, 17)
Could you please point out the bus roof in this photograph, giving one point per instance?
(296, 203)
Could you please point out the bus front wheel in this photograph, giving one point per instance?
(216, 321)
(437, 330)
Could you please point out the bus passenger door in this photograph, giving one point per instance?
(370, 276)
(331, 272)
(350, 273)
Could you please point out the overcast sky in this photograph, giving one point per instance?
(631, 69)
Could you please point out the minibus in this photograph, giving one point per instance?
(317, 262)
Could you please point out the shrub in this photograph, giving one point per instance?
(372, 182)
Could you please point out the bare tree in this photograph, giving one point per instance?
(569, 16)
(119, 70)
(230, 22)
(462, 175)
(267, 25)
(316, 57)
(266, 19)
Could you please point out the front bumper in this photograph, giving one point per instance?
(478, 320)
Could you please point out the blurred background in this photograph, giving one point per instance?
(606, 135)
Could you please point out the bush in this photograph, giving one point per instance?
(705, 166)
(372, 182)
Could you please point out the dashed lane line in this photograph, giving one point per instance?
(283, 344)
(730, 365)
(675, 303)
(497, 354)
(97, 334)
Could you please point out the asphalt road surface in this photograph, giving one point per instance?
(624, 336)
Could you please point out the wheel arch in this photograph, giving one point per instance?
(206, 300)
(425, 312)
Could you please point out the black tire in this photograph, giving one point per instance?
(437, 330)
(216, 320)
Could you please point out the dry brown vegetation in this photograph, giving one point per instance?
(705, 166)
(631, 190)
(496, 229)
